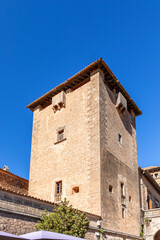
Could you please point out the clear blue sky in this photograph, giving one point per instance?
(42, 43)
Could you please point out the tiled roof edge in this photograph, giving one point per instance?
(12, 174)
(148, 176)
(96, 64)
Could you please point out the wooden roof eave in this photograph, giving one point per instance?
(111, 80)
(148, 176)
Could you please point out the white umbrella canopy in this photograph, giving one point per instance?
(48, 236)
(9, 236)
(40, 235)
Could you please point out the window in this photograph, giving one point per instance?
(119, 138)
(156, 175)
(58, 191)
(61, 134)
(59, 187)
(149, 200)
(123, 213)
(122, 189)
(110, 188)
(130, 199)
(123, 198)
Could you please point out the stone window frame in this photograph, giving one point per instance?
(58, 132)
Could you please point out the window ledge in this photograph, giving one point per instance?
(60, 141)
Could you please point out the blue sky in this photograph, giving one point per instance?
(42, 43)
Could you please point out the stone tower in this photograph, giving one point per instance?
(84, 147)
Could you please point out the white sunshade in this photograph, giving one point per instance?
(48, 235)
(9, 236)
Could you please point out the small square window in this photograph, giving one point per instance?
(61, 134)
(120, 138)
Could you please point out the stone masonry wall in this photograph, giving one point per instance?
(18, 204)
(16, 224)
(118, 165)
(151, 223)
(13, 182)
(19, 214)
(74, 161)
(88, 155)
(144, 187)
(20, 224)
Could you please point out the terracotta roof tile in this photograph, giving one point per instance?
(14, 175)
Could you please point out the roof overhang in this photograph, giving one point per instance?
(152, 169)
(150, 179)
(109, 78)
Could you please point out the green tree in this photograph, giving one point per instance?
(65, 219)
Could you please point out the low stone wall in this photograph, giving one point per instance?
(21, 204)
(16, 224)
(19, 214)
(151, 223)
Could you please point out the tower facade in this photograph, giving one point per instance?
(84, 148)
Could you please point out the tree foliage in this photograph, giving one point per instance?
(65, 219)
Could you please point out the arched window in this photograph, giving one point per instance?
(157, 235)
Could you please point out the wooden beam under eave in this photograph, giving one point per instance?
(81, 78)
(110, 81)
(86, 75)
